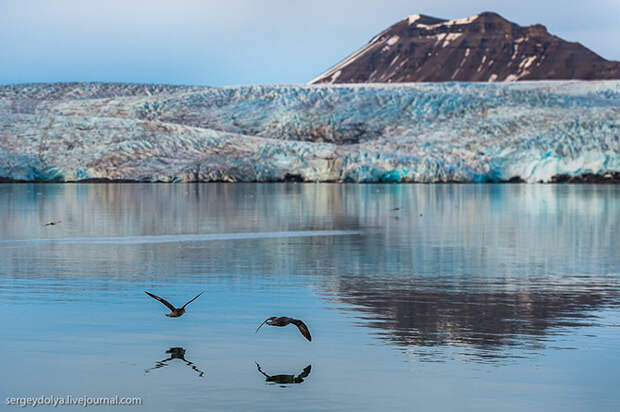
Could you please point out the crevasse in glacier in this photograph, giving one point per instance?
(434, 132)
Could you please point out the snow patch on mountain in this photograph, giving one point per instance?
(393, 40)
(413, 18)
(448, 23)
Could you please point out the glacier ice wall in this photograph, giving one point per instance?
(442, 132)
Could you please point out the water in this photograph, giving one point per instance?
(468, 297)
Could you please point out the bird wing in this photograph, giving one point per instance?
(190, 301)
(259, 326)
(261, 371)
(305, 372)
(162, 300)
(302, 328)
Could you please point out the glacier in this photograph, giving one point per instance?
(542, 131)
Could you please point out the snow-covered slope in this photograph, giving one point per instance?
(465, 132)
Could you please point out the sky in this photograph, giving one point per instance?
(237, 42)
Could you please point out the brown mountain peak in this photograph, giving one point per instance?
(484, 47)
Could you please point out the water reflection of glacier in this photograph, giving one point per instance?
(511, 230)
(489, 270)
(463, 132)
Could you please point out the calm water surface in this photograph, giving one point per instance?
(468, 297)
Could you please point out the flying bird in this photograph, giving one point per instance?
(175, 312)
(52, 223)
(284, 321)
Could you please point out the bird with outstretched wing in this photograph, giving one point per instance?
(285, 321)
(174, 312)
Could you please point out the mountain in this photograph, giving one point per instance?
(549, 131)
(481, 48)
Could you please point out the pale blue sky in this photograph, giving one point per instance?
(232, 42)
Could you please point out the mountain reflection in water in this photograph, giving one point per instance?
(481, 318)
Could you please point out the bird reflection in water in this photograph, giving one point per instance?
(286, 379)
(175, 353)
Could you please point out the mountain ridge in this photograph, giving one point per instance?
(485, 47)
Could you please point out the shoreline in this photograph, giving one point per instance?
(608, 178)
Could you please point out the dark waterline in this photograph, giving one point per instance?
(444, 297)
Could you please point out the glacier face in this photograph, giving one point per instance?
(424, 132)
